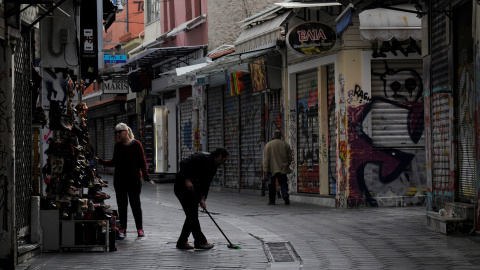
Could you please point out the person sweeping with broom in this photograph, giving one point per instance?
(191, 188)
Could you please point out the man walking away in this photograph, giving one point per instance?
(277, 157)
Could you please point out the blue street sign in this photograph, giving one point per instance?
(114, 58)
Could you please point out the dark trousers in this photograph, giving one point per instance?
(272, 186)
(191, 225)
(125, 193)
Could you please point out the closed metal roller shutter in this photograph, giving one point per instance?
(186, 128)
(307, 132)
(110, 138)
(440, 106)
(23, 140)
(441, 142)
(132, 122)
(439, 48)
(274, 116)
(215, 126)
(92, 133)
(251, 137)
(100, 141)
(465, 103)
(231, 131)
(397, 107)
(332, 131)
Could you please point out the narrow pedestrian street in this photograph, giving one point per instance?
(298, 236)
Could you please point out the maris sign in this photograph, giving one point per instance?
(115, 86)
(311, 38)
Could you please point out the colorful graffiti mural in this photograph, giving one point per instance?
(342, 186)
(388, 175)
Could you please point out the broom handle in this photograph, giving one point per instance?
(217, 225)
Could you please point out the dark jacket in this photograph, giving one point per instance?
(128, 161)
(200, 168)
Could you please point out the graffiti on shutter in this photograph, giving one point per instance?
(397, 104)
(215, 126)
(251, 137)
(307, 132)
(231, 130)
(441, 143)
(441, 112)
(332, 131)
(394, 159)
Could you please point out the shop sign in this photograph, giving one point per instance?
(258, 72)
(89, 41)
(116, 86)
(311, 38)
(115, 58)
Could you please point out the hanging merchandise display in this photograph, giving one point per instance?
(73, 186)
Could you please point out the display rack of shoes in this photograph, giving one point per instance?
(73, 186)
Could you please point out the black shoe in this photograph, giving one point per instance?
(186, 245)
(271, 203)
(287, 201)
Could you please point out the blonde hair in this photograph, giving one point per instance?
(123, 126)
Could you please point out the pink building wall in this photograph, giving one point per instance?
(175, 12)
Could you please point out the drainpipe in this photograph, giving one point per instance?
(284, 54)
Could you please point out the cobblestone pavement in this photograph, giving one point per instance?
(298, 236)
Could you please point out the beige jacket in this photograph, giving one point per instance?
(277, 157)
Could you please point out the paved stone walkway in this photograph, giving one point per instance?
(298, 236)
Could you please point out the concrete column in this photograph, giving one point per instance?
(8, 243)
(350, 73)
(35, 229)
(323, 129)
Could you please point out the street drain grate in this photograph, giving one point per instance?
(280, 252)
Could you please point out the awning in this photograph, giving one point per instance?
(307, 4)
(145, 45)
(183, 70)
(153, 56)
(385, 24)
(344, 20)
(184, 27)
(229, 61)
(262, 34)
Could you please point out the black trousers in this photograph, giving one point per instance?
(272, 186)
(189, 203)
(126, 192)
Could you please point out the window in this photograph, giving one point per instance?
(153, 10)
